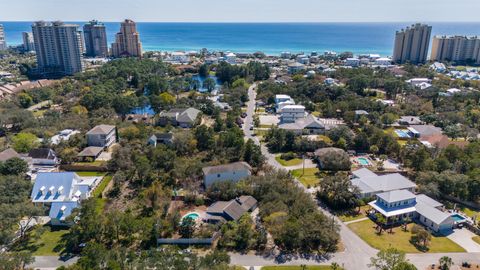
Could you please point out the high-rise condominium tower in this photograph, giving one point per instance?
(411, 44)
(28, 45)
(3, 43)
(58, 47)
(95, 39)
(127, 41)
(458, 49)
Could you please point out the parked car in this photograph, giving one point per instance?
(243, 115)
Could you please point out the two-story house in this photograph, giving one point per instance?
(228, 172)
(102, 136)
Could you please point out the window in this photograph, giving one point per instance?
(218, 175)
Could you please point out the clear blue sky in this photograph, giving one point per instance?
(242, 10)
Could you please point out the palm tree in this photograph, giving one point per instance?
(380, 222)
(335, 266)
(405, 223)
(445, 263)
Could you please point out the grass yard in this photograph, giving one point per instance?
(90, 174)
(353, 215)
(400, 239)
(291, 162)
(43, 241)
(470, 212)
(266, 126)
(297, 267)
(476, 239)
(101, 187)
(309, 178)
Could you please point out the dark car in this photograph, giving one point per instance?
(243, 115)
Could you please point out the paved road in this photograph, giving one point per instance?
(357, 252)
(51, 262)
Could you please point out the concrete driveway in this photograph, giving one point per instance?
(463, 238)
(269, 120)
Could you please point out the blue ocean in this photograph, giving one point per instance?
(271, 38)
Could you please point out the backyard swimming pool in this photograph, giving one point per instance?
(363, 161)
(402, 133)
(191, 215)
(458, 218)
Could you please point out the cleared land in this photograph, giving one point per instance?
(476, 239)
(353, 214)
(297, 267)
(400, 239)
(309, 178)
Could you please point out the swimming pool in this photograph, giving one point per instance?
(191, 215)
(402, 133)
(458, 218)
(363, 161)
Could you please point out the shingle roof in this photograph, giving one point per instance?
(8, 154)
(247, 202)
(231, 208)
(101, 129)
(396, 195)
(90, 151)
(189, 115)
(236, 166)
(44, 153)
(309, 122)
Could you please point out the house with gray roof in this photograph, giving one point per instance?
(399, 205)
(62, 191)
(90, 152)
(371, 184)
(161, 138)
(43, 157)
(7, 154)
(232, 210)
(228, 172)
(102, 136)
(185, 118)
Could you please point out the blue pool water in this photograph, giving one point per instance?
(193, 216)
(402, 133)
(458, 217)
(363, 161)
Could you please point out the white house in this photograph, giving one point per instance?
(231, 58)
(295, 67)
(292, 113)
(383, 61)
(311, 125)
(228, 172)
(352, 62)
(415, 82)
(282, 101)
(179, 57)
(43, 157)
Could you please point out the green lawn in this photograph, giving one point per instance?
(43, 241)
(291, 162)
(399, 239)
(265, 126)
(89, 174)
(309, 178)
(353, 214)
(470, 212)
(476, 239)
(297, 267)
(94, 163)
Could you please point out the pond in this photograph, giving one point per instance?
(202, 79)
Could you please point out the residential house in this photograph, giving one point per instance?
(63, 192)
(295, 67)
(311, 125)
(43, 157)
(232, 210)
(7, 154)
(398, 205)
(162, 138)
(228, 172)
(409, 120)
(185, 118)
(292, 113)
(102, 136)
(371, 184)
(352, 62)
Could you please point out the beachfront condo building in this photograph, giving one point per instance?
(458, 49)
(411, 44)
(28, 45)
(3, 43)
(95, 36)
(127, 41)
(58, 48)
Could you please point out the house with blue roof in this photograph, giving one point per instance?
(62, 191)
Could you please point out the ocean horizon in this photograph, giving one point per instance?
(270, 38)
